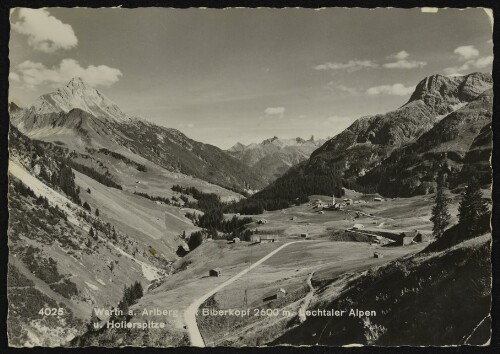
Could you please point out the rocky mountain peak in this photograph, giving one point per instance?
(272, 140)
(13, 108)
(77, 82)
(237, 147)
(443, 93)
(78, 94)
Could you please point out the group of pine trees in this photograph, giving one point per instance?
(470, 211)
(94, 174)
(204, 201)
(287, 191)
(63, 178)
(131, 294)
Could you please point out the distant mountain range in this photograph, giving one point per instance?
(80, 118)
(446, 122)
(274, 156)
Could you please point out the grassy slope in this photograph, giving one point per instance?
(426, 299)
(86, 266)
(153, 224)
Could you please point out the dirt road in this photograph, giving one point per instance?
(190, 313)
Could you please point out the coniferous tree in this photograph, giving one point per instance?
(440, 215)
(93, 323)
(471, 208)
(91, 232)
(97, 212)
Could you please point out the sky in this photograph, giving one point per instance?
(244, 75)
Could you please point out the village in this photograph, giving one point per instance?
(311, 242)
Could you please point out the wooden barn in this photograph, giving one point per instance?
(267, 238)
(275, 295)
(216, 272)
(255, 239)
(421, 237)
(408, 237)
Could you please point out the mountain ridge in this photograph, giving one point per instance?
(370, 140)
(274, 156)
(81, 118)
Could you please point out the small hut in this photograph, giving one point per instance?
(214, 272)
(280, 293)
(255, 239)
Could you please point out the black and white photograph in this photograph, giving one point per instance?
(249, 177)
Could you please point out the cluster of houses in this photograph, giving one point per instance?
(336, 205)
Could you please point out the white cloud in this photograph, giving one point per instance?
(275, 111)
(402, 55)
(479, 63)
(405, 64)
(333, 86)
(466, 52)
(402, 62)
(14, 77)
(34, 74)
(350, 66)
(395, 90)
(483, 62)
(45, 32)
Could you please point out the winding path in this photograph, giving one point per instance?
(190, 313)
(307, 299)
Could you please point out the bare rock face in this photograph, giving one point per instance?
(78, 94)
(442, 93)
(460, 144)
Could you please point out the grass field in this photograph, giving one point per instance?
(319, 259)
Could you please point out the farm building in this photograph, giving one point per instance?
(236, 240)
(358, 226)
(378, 255)
(184, 246)
(255, 239)
(376, 199)
(348, 201)
(267, 238)
(293, 218)
(423, 237)
(304, 235)
(321, 212)
(214, 272)
(275, 295)
(262, 221)
(408, 237)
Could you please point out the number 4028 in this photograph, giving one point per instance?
(51, 311)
